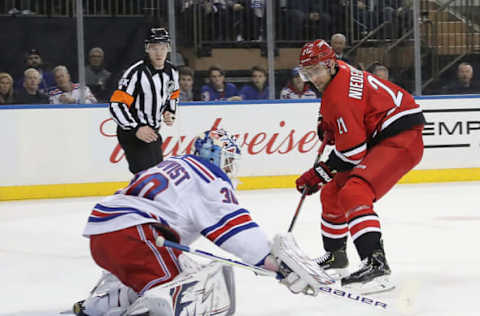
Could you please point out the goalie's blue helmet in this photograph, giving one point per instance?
(220, 148)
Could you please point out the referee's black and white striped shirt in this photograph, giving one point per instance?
(143, 94)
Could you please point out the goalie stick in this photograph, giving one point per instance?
(330, 289)
(304, 192)
(162, 242)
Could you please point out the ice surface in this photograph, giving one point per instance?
(430, 233)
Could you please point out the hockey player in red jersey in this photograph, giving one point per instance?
(376, 128)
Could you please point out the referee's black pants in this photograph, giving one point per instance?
(140, 155)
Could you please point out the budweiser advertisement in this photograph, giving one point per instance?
(78, 144)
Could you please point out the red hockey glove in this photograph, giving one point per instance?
(314, 178)
(323, 132)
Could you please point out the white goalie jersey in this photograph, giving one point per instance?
(192, 196)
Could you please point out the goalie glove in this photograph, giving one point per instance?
(313, 179)
(301, 274)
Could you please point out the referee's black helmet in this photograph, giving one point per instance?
(157, 35)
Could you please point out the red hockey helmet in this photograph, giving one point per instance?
(316, 52)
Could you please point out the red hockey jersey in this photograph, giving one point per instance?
(361, 109)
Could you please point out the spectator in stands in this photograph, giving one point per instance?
(404, 15)
(258, 89)
(67, 92)
(214, 13)
(312, 14)
(96, 76)
(381, 71)
(338, 42)
(297, 88)
(187, 90)
(33, 59)
(30, 93)
(464, 83)
(246, 18)
(217, 89)
(238, 13)
(7, 95)
(363, 16)
(258, 12)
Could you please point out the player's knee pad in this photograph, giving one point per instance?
(109, 298)
(356, 192)
(212, 293)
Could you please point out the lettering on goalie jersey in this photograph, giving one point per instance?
(149, 185)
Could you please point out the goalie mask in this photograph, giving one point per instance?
(219, 148)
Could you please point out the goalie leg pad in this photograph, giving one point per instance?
(302, 274)
(212, 293)
(151, 306)
(109, 297)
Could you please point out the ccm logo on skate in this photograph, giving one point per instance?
(354, 297)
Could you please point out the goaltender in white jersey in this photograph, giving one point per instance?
(181, 199)
(191, 196)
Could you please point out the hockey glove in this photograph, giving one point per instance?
(323, 132)
(313, 179)
(301, 274)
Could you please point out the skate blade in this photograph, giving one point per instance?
(377, 285)
(337, 274)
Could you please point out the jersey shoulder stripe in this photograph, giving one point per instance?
(205, 169)
(196, 169)
(228, 226)
(101, 213)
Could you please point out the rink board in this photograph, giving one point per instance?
(71, 150)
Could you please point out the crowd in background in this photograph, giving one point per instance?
(41, 83)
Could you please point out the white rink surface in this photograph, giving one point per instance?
(430, 233)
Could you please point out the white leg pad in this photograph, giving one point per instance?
(150, 305)
(213, 293)
(110, 297)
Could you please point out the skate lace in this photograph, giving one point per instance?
(324, 258)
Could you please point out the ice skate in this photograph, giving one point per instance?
(372, 277)
(334, 263)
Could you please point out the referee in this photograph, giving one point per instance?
(147, 92)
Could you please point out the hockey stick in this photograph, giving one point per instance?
(304, 193)
(326, 289)
(162, 242)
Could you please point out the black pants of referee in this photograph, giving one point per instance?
(140, 155)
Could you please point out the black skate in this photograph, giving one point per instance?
(334, 263)
(372, 277)
(78, 308)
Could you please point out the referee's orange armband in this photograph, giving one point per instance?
(175, 94)
(122, 97)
